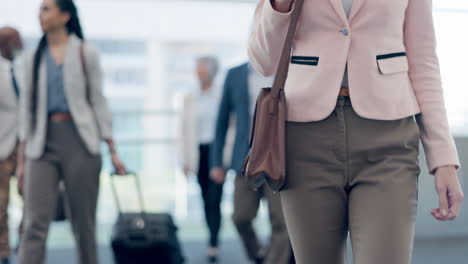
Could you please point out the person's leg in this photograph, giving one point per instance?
(246, 204)
(81, 171)
(215, 194)
(212, 197)
(314, 199)
(7, 168)
(383, 177)
(40, 199)
(203, 174)
(204, 182)
(81, 189)
(280, 250)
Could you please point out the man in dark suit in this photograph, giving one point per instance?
(241, 88)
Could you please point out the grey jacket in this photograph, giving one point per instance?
(92, 119)
(8, 111)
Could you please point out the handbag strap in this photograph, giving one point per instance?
(85, 73)
(283, 66)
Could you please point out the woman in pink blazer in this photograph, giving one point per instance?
(363, 89)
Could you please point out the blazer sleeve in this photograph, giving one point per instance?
(98, 101)
(185, 129)
(268, 34)
(222, 124)
(424, 74)
(25, 81)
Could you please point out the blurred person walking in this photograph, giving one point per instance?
(63, 118)
(196, 128)
(10, 47)
(240, 92)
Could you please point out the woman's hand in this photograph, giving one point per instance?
(218, 175)
(282, 6)
(450, 194)
(119, 166)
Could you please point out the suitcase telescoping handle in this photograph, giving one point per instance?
(138, 189)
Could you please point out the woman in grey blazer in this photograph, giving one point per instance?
(64, 117)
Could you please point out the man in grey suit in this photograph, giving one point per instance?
(241, 88)
(10, 45)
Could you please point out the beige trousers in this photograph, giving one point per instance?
(347, 174)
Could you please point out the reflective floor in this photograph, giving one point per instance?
(192, 233)
(453, 251)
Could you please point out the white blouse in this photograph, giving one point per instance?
(207, 109)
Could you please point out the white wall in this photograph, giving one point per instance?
(168, 20)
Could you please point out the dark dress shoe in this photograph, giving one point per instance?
(5, 261)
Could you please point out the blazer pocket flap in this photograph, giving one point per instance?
(393, 65)
(305, 60)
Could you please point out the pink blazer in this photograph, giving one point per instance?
(393, 69)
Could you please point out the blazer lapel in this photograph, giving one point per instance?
(20, 78)
(12, 89)
(357, 4)
(41, 111)
(338, 6)
(6, 89)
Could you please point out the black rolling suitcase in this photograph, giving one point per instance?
(144, 238)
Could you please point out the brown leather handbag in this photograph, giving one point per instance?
(266, 160)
